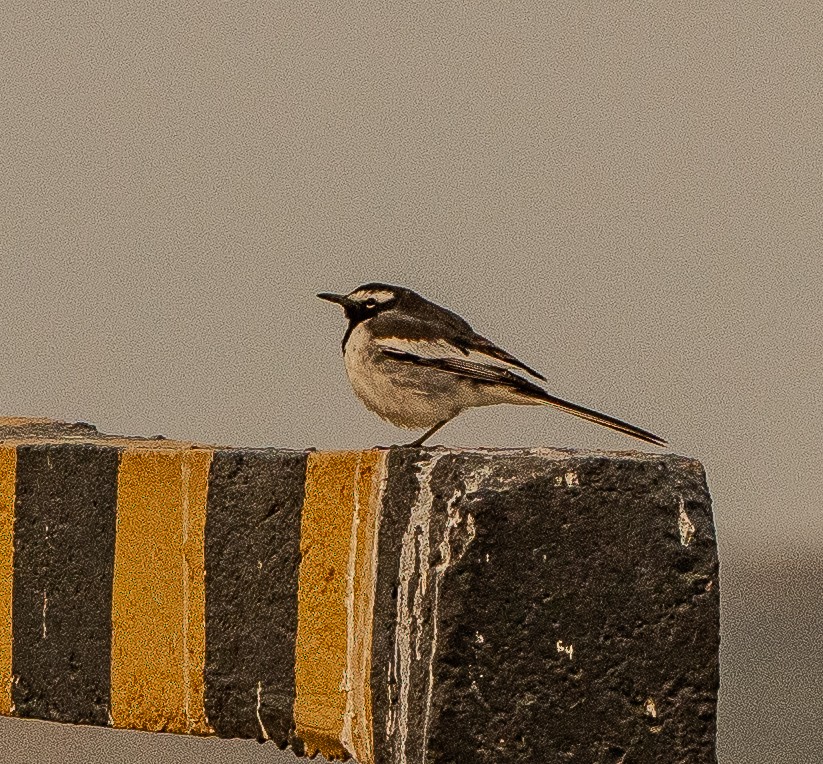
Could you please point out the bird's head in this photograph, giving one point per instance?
(366, 301)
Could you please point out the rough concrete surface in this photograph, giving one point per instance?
(554, 607)
(513, 605)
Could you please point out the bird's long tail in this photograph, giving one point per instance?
(598, 418)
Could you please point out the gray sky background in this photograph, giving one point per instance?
(626, 197)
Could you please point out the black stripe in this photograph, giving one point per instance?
(252, 561)
(64, 528)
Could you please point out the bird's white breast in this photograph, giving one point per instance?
(397, 391)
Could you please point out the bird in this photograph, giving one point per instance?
(418, 365)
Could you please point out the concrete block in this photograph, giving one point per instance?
(398, 606)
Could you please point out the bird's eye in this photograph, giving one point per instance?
(370, 303)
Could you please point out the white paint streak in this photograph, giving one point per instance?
(445, 547)
(400, 671)
(650, 708)
(411, 616)
(684, 525)
(45, 608)
(453, 520)
(263, 729)
(378, 491)
(423, 554)
(346, 736)
(185, 478)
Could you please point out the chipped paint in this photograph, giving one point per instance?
(415, 612)
(453, 521)
(414, 556)
(684, 525)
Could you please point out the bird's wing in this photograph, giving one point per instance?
(442, 355)
(432, 320)
(482, 345)
(453, 358)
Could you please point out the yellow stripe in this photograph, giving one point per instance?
(8, 473)
(365, 531)
(158, 600)
(332, 600)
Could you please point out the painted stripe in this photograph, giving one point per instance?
(252, 559)
(64, 529)
(158, 601)
(8, 471)
(358, 736)
(339, 531)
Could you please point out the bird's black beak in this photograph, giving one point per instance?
(340, 299)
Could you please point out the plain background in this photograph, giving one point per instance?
(625, 195)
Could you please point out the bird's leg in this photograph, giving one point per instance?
(426, 435)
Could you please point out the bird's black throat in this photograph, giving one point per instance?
(354, 320)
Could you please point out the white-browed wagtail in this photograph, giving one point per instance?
(418, 365)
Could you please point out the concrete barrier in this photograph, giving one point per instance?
(398, 606)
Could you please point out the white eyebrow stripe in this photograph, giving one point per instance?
(442, 349)
(380, 295)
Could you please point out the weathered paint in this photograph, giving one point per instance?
(339, 487)
(370, 481)
(158, 601)
(8, 472)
